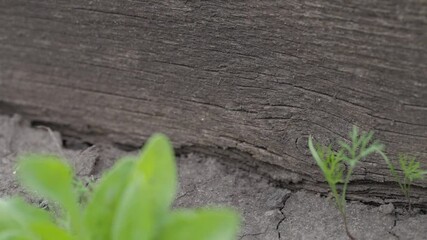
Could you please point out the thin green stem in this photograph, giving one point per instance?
(409, 199)
(392, 170)
(346, 181)
(336, 196)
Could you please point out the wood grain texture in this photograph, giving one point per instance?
(247, 79)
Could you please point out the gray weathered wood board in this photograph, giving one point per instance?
(248, 79)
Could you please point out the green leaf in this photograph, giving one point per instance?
(135, 217)
(411, 168)
(345, 146)
(314, 153)
(157, 165)
(18, 220)
(15, 235)
(335, 169)
(52, 178)
(49, 231)
(203, 224)
(353, 135)
(361, 146)
(150, 194)
(48, 176)
(143, 194)
(374, 147)
(9, 216)
(102, 207)
(329, 162)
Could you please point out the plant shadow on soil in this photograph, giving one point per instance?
(269, 212)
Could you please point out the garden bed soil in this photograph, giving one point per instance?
(269, 212)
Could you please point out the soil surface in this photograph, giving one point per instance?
(268, 212)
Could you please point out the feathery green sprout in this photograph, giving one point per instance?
(338, 166)
(411, 171)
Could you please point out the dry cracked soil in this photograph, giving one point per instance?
(269, 212)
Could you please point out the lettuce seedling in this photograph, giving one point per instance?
(338, 166)
(132, 201)
(411, 171)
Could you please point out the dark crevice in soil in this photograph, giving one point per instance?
(243, 160)
(253, 234)
(74, 143)
(125, 147)
(283, 216)
(186, 193)
(86, 134)
(394, 225)
(69, 141)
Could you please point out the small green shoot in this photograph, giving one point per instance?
(338, 166)
(411, 171)
(132, 201)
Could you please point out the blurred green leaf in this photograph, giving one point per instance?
(135, 217)
(315, 153)
(158, 168)
(48, 176)
(150, 193)
(49, 231)
(102, 207)
(21, 219)
(15, 235)
(52, 178)
(203, 224)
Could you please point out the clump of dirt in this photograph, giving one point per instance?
(268, 212)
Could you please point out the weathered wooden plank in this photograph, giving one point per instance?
(250, 79)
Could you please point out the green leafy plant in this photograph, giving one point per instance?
(132, 201)
(338, 166)
(411, 171)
